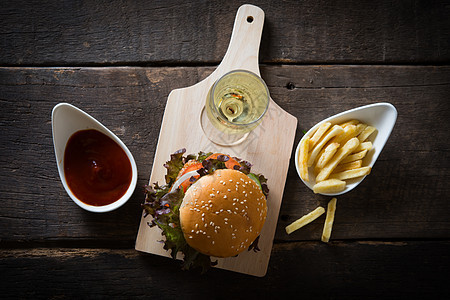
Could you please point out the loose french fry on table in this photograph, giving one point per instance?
(318, 134)
(335, 130)
(303, 158)
(326, 154)
(366, 133)
(329, 186)
(353, 157)
(363, 146)
(306, 219)
(341, 154)
(348, 166)
(349, 174)
(331, 209)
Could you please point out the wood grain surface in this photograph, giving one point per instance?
(342, 270)
(118, 61)
(69, 33)
(398, 200)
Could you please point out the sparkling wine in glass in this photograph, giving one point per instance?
(235, 105)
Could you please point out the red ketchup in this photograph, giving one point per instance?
(97, 170)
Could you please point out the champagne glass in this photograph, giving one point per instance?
(235, 105)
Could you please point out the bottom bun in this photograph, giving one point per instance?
(223, 213)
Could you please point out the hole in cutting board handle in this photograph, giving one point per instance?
(249, 19)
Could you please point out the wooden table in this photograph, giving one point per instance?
(119, 60)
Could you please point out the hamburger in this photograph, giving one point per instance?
(211, 206)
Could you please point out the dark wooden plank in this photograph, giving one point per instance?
(406, 196)
(183, 32)
(357, 270)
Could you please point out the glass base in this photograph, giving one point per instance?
(217, 136)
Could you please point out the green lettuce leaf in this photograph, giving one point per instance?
(263, 182)
(174, 165)
(202, 156)
(164, 207)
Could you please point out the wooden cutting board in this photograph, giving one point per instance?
(268, 147)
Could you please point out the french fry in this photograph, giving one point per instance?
(353, 157)
(366, 133)
(303, 158)
(363, 146)
(340, 155)
(306, 219)
(336, 129)
(348, 166)
(336, 152)
(349, 132)
(349, 174)
(351, 122)
(318, 134)
(331, 209)
(326, 154)
(329, 186)
(360, 128)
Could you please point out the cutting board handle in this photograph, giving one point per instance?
(242, 52)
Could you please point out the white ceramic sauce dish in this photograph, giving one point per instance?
(68, 119)
(382, 116)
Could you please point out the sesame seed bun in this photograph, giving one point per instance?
(223, 213)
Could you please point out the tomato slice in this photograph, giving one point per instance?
(194, 165)
(190, 166)
(229, 164)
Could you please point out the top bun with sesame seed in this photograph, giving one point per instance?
(211, 205)
(223, 213)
